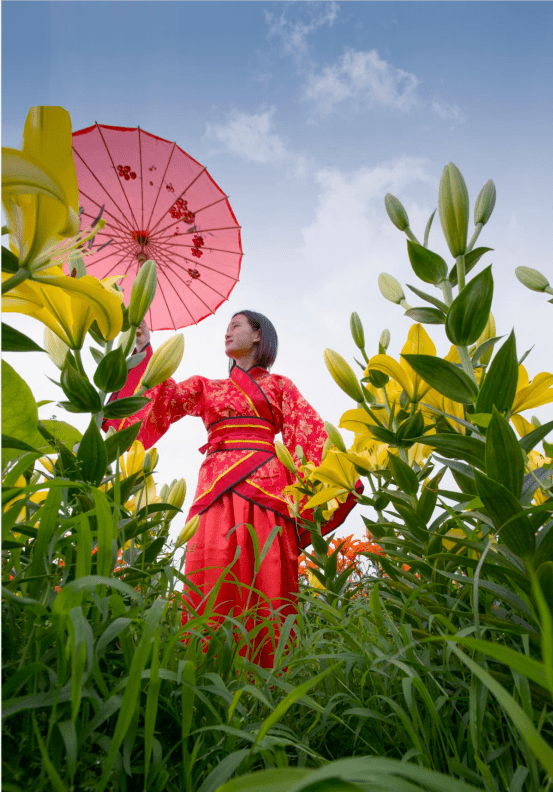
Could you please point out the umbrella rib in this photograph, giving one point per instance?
(141, 179)
(206, 266)
(106, 192)
(115, 170)
(161, 184)
(205, 283)
(195, 179)
(167, 304)
(182, 301)
(120, 262)
(208, 206)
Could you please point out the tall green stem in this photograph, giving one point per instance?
(466, 362)
(447, 291)
(475, 236)
(79, 362)
(461, 272)
(21, 275)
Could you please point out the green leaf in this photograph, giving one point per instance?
(79, 390)
(295, 695)
(533, 739)
(404, 476)
(544, 573)
(484, 347)
(92, 455)
(504, 460)
(13, 442)
(19, 413)
(409, 429)
(544, 546)
(471, 260)
(10, 262)
(412, 521)
(528, 442)
(15, 341)
(427, 266)
(458, 446)
(500, 383)
(61, 432)
(507, 515)
(384, 435)
(122, 408)
(426, 315)
(428, 227)
(444, 377)
(111, 374)
(470, 310)
(121, 441)
(429, 298)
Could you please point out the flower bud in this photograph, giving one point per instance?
(384, 341)
(485, 203)
(285, 457)
(334, 436)
(396, 212)
(342, 374)
(177, 494)
(453, 208)
(163, 493)
(531, 278)
(56, 348)
(164, 362)
(189, 530)
(150, 459)
(357, 331)
(390, 288)
(143, 292)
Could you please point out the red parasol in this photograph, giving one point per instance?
(158, 203)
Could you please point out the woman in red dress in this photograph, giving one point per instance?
(241, 481)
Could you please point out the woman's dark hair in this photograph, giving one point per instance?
(268, 344)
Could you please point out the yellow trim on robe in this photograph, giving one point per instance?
(245, 395)
(241, 426)
(270, 494)
(239, 462)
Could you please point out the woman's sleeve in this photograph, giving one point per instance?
(169, 401)
(301, 425)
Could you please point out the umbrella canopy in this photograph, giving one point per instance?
(158, 203)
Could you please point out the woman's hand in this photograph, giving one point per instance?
(142, 336)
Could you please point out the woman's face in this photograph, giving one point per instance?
(240, 337)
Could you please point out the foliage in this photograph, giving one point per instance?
(419, 659)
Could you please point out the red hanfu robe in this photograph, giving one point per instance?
(241, 482)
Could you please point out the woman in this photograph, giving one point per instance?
(241, 480)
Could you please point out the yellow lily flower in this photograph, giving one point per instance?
(40, 192)
(337, 470)
(532, 394)
(68, 306)
(537, 460)
(418, 343)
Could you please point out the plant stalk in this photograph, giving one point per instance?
(21, 275)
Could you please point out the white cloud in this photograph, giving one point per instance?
(294, 32)
(363, 78)
(250, 137)
(448, 112)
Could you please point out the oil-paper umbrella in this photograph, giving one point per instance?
(158, 203)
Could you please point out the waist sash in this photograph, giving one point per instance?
(253, 436)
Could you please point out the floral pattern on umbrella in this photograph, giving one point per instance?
(160, 204)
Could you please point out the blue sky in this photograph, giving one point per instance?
(306, 114)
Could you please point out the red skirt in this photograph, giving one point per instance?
(268, 593)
